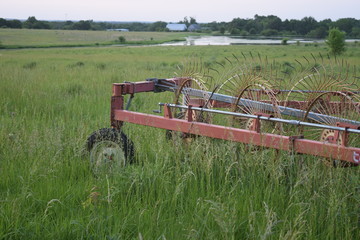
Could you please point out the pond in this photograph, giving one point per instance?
(225, 40)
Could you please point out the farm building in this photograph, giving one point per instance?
(174, 27)
(194, 27)
(118, 29)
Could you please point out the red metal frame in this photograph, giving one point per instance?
(295, 144)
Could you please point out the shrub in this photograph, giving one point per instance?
(122, 39)
(336, 41)
(76, 65)
(30, 65)
(269, 32)
(235, 31)
(284, 41)
(244, 33)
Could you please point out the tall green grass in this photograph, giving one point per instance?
(52, 99)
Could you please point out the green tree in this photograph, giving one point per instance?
(306, 25)
(157, 26)
(33, 23)
(82, 25)
(346, 24)
(355, 32)
(185, 21)
(14, 24)
(3, 23)
(192, 20)
(273, 22)
(122, 39)
(222, 30)
(336, 41)
(30, 22)
(188, 22)
(319, 32)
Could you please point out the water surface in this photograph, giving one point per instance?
(225, 40)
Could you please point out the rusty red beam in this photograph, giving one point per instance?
(287, 143)
(132, 88)
(144, 86)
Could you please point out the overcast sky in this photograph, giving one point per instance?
(173, 11)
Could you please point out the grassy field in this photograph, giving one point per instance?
(51, 100)
(17, 38)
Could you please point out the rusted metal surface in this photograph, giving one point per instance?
(297, 145)
(253, 136)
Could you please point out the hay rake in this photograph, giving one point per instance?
(317, 114)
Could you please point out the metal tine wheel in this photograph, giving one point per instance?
(251, 84)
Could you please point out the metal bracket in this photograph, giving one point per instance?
(159, 110)
(292, 142)
(344, 134)
(167, 111)
(190, 113)
(131, 88)
(156, 81)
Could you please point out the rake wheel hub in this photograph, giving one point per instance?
(328, 135)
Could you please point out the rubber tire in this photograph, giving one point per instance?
(116, 136)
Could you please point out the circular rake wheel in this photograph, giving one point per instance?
(255, 99)
(184, 96)
(251, 84)
(333, 109)
(329, 136)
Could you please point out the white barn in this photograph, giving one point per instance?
(176, 27)
(118, 29)
(194, 27)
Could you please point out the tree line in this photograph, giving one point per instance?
(273, 26)
(33, 23)
(259, 25)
